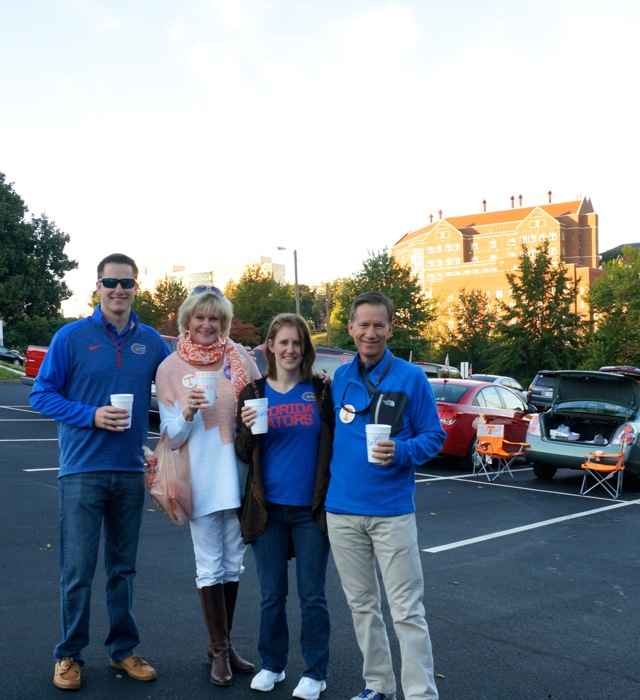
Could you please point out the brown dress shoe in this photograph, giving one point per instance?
(136, 667)
(67, 674)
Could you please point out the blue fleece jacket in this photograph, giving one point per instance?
(88, 361)
(404, 399)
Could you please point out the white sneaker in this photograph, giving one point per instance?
(309, 688)
(265, 680)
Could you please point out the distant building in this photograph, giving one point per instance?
(474, 251)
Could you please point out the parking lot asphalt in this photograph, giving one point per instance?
(531, 590)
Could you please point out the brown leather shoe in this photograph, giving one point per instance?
(66, 674)
(136, 667)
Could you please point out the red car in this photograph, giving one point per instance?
(464, 402)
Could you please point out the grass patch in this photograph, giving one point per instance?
(6, 375)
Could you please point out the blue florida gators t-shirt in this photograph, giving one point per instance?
(289, 449)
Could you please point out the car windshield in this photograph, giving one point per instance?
(452, 393)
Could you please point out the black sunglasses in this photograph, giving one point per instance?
(202, 288)
(112, 282)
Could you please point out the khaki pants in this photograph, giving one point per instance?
(356, 542)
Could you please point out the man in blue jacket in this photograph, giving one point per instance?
(101, 477)
(370, 507)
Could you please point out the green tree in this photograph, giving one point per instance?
(539, 328)
(471, 338)
(413, 311)
(33, 262)
(615, 297)
(257, 297)
(159, 308)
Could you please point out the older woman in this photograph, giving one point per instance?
(284, 503)
(217, 476)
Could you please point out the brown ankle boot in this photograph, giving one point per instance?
(230, 596)
(215, 617)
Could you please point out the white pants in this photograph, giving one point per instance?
(356, 542)
(218, 547)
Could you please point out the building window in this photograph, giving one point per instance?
(532, 239)
(493, 257)
(438, 249)
(429, 263)
(430, 250)
(456, 246)
(552, 236)
(474, 246)
(512, 254)
(493, 244)
(430, 278)
(553, 251)
(511, 242)
(447, 248)
(498, 293)
(439, 276)
(537, 223)
(439, 262)
(456, 261)
(543, 237)
(442, 234)
(523, 239)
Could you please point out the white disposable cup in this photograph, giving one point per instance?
(209, 382)
(376, 432)
(598, 454)
(123, 401)
(262, 413)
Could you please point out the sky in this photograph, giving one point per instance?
(208, 133)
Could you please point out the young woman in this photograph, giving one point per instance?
(284, 503)
(217, 478)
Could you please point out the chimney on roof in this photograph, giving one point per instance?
(549, 193)
(430, 218)
(512, 201)
(440, 213)
(484, 205)
(520, 199)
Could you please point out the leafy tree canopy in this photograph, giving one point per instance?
(33, 262)
(475, 323)
(413, 311)
(257, 297)
(159, 308)
(615, 297)
(539, 329)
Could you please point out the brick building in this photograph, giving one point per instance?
(473, 252)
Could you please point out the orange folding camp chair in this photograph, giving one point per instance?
(494, 454)
(603, 470)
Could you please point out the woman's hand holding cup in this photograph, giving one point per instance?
(248, 415)
(195, 401)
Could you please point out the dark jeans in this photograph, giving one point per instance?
(270, 552)
(87, 501)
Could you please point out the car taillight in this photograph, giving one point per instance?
(626, 434)
(534, 425)
(448, 417)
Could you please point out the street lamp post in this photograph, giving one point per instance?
(295, 274)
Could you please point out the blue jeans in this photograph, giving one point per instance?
(87, 501)
(270, 552)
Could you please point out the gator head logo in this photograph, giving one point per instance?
(138, 349)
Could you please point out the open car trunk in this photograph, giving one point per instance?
(588, 407)
(583, 430)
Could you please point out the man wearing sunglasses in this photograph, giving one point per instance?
(370, 507)
(101, 476)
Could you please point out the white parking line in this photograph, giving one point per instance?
(524, 528)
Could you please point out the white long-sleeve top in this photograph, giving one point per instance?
(217, 475)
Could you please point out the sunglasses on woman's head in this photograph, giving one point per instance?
(112, 282)
(202, 288)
